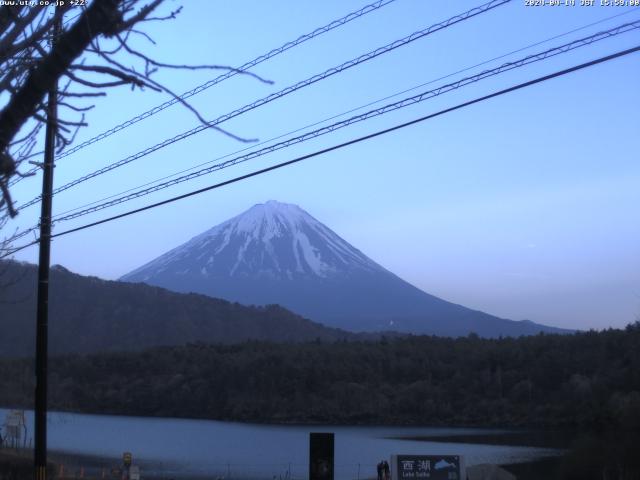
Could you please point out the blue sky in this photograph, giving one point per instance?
(524, 206)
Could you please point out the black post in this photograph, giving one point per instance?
(321, 452)
(42, 321)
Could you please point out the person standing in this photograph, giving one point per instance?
(380, 468)
(386, 470)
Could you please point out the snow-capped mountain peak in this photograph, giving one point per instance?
(265, 221)
(276, 253)
(271, 239)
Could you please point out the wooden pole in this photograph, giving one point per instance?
(42, 320)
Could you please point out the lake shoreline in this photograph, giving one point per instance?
(195, 448)
(300, 422)
(186, 448)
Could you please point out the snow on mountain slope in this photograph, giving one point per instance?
(272, 239)
(278, 253)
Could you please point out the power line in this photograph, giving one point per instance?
(362, 117)
(350, 121)
(319, 122)
(246, 66)
(342, 145)
(286, 91)
(360, 139)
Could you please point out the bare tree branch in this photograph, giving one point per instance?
(6, 198)
(150, 61)
(88, 54)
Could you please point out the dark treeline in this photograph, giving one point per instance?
(585, 380)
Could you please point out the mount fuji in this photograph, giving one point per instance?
(276, 253)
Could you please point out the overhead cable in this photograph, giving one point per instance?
(338, 146)
(286, 91)
(220, 78)
(342, 114)
(91, 207)
(362, 117)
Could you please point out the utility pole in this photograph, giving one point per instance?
(42, 319)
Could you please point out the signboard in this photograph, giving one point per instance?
(428, 467)
(134, 472)
(15, 425)
(15, 418)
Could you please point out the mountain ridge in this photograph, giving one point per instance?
(278, 253)
(88, 314)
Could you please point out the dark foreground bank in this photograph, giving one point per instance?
(611, 455)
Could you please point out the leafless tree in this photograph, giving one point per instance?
(86, 59)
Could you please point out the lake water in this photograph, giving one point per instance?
(171, 447)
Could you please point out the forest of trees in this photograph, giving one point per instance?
(585, 380)
(88, 314)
